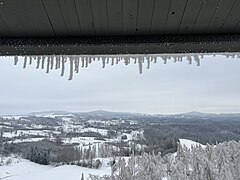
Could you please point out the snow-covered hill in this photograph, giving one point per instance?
(26, 170)
(189, 143)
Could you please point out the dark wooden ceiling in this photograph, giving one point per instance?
(57, 18)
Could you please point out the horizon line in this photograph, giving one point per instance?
(52, 111)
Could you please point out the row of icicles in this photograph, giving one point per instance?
(76, 62)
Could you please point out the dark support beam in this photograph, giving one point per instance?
(120, 45)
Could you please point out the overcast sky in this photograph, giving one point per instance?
(164, 88)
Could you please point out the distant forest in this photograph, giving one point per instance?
(161, 134)
(156, 133)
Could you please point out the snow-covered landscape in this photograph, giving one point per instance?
(113, 120)
(22, 169)
(119, 89)
(111, 145)
(182, 165)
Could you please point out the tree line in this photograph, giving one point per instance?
(219, 162)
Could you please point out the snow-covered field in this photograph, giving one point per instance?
(83, 141)
(22, 169)
(19, 133)
(189, 143)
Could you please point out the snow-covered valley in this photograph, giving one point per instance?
(104, 145)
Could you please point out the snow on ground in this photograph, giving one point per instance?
(81, 140)
(20, 167)
(12, 117)
(27, 140)
(103, 132)
(26, 132)
(26, 170)
(190, 143)
(61, 173)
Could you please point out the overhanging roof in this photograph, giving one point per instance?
(37, 27)
(55, 18)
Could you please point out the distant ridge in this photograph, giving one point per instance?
(196, 113)
(115, 113)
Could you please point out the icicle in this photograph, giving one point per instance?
(154, 59)
(126, 62)
(86, 62)
(51, 60)
(150, 58)
(83, 62)
(127, 58)
(59, 62)
(48, 65)
(140, 62)
(30, 60)
(15, 60)
(56, 65)
(76, 65)
(90, 60)
(148, 64)
(25, 62)
(180, 58)
(189, 58)
(38, 63)
(71, 69)
(63, 66)
(175, 59)
(135, 60)
(103, 62)
(119, 59)
(164, 59)
(43, 61)
(196, 58)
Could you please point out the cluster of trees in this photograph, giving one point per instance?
(39, 155)
(46, 151)
(218, 162)
(160, 140)
(1, 144)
